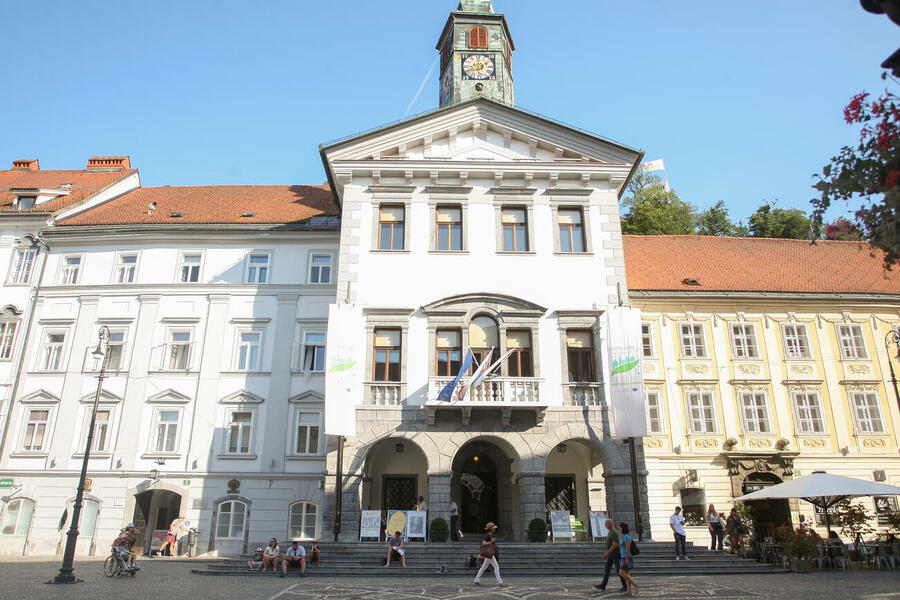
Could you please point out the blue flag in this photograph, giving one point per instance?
(447, 392)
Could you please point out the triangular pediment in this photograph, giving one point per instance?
(308, 396)
(169, 396)
(39, 397)
(106, 397)
(241, 397)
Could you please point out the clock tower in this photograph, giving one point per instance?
(476, 55)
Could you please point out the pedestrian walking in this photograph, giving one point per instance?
(627, 558)
(716, 528)
(676, 523)
(489, 552)
(611, 556)
(454, 522)
(734, 527)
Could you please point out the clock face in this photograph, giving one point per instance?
(478, 66)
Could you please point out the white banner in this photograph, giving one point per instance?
(626, 378)
(345, 357)
(653, 165)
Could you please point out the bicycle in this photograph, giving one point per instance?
(115, 565)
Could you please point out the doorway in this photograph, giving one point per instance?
(768, 515)
(560, 493)
(154, 510)
(478, 494)
(398, 492)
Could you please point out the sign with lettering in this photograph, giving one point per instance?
(416, 525)
(6, 482)
(560, 524)
(370, 524)
(598, 524)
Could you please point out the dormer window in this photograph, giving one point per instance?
(25, 202)
(478, 37)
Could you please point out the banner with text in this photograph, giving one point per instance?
(344, 357)
(626, 379)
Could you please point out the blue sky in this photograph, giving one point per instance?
(742, 99)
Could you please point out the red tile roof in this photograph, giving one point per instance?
(84, 185)
(214, 204)
(662, 262)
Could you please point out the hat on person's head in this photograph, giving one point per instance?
(490, 526)
(259, 549)
(129, 526)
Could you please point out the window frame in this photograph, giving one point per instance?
(298, 534)
(239, 345)
(182, 254)
(798, 419)
(449, 225)
(13, 275)
(477, 31)
(168, 345)
(660, 418)
(95, 451)
(330, 266)
(304, 345)
(43, 353)
(230, 411)
(525, 226)
(713, 417)
(231, 513)
(248, 265)
(448, 352)
(582, 225)
(45, 436)
(378, 227)
(117, 267)
(742, 342)
(295, 437)
(858, 351)
(154, 431)
(63, 276)
(519, 352)
(590, 351)
(388, 351)
(648, 338)
(766, 417)
(876, 404)
(802, 342)
(694, 335)
(17, 524)
(7, 340)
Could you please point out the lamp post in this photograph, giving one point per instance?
(893, 337)
(66, 574)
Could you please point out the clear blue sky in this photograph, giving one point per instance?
(742, 99)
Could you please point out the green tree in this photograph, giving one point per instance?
(868, 175)
(714, 221)
(654, 209)
(771, 222)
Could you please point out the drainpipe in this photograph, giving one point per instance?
(35, 291)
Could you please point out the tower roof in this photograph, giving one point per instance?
(475, 6)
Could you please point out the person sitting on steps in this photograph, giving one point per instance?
(293, 557)
(395, 549)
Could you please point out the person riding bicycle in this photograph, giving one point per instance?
(122, 546)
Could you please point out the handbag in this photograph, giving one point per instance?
(489, 551)
(634, 548)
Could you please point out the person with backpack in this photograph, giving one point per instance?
(627, 551)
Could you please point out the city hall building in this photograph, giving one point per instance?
(477, 226)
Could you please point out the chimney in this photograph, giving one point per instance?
(108, 163)
(26, 164)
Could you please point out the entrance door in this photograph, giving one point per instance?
(398, 492)
(154, 510)
(768, 515)
(559, 490)
(478, 494)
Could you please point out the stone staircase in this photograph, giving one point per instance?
(516, 559)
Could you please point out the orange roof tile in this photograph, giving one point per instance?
(214, 204)
(661, 262)
(84, 184)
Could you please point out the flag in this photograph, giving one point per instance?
(465, 388)
(477, 381)
(653, 165)
(447, 392)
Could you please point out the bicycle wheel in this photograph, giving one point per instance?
(110, 566)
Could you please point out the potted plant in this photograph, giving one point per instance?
(800, 545)
(537, 530)
(439, 530)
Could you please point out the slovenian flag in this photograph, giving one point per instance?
(447, 392)
(479, 377)
(476, 376)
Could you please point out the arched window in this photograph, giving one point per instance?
(302, 522)
(483, 335)
(88, 517)
(478, 37)
(17, 519)
(230, 521)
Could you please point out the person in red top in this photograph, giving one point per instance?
(123, 544)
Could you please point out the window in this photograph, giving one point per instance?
(867, 411)
(320, 268)
(258, 268)
(25, 202)
(36, 422)
(693, 344)
(313, 352)
(126, 264)
(23, 265)
(115, 350)
(52, 352)
(519, 362)
(703, 414)
(230, 520)
(390, 227)
(755, 409)
(249, 345)
(484, 339)
(88, 518)
(178, 356)
(743, 340)
(853, 346)
(166, 430)
(580, 354)
(387, 355)
(7, 336)
(17, 520)
(796, 343)
(478, 37)
(71, 266)
(448, 352)
(448, 228)
(571, 230)
(239, 429)
(654, 413)
(809, 412)
(189, 267)
(308, 426)
(100, 443)
(693, 505)
(303, 521)
(515, 229)
(647, 340)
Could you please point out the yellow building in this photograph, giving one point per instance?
(763, 360)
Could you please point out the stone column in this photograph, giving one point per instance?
(439, 496)
(534, 499)
(619, 500)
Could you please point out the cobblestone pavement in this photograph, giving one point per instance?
(25, 579)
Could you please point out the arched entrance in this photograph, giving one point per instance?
(574, 479)
(154, 510)
(396, 474)
(481, 485)
(768, 515)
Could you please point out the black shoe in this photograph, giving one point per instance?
(600, 587)
(302, 574)
(624, 589)
(281, 574)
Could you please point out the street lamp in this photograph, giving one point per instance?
(66, 574)
(893, 337)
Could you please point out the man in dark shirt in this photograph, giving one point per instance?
(611, 555)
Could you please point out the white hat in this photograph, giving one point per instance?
(259, 549)
(131, 525)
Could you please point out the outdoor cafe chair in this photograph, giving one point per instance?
(883, 554)
(870, 553)
(842, 556)
(822, 557)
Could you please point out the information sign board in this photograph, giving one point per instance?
(561, 524)
(598, 524)
(416, 526)
(370, 525)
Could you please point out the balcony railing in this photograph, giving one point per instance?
(494, 390)
(384, 393)
(582, 394)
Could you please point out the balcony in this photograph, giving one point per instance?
(383, 393)
(504, 393)
(582, 394)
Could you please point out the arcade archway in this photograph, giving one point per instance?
(482, 486)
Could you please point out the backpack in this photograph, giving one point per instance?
(634, 548)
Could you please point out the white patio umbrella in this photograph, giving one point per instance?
(823, 490)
